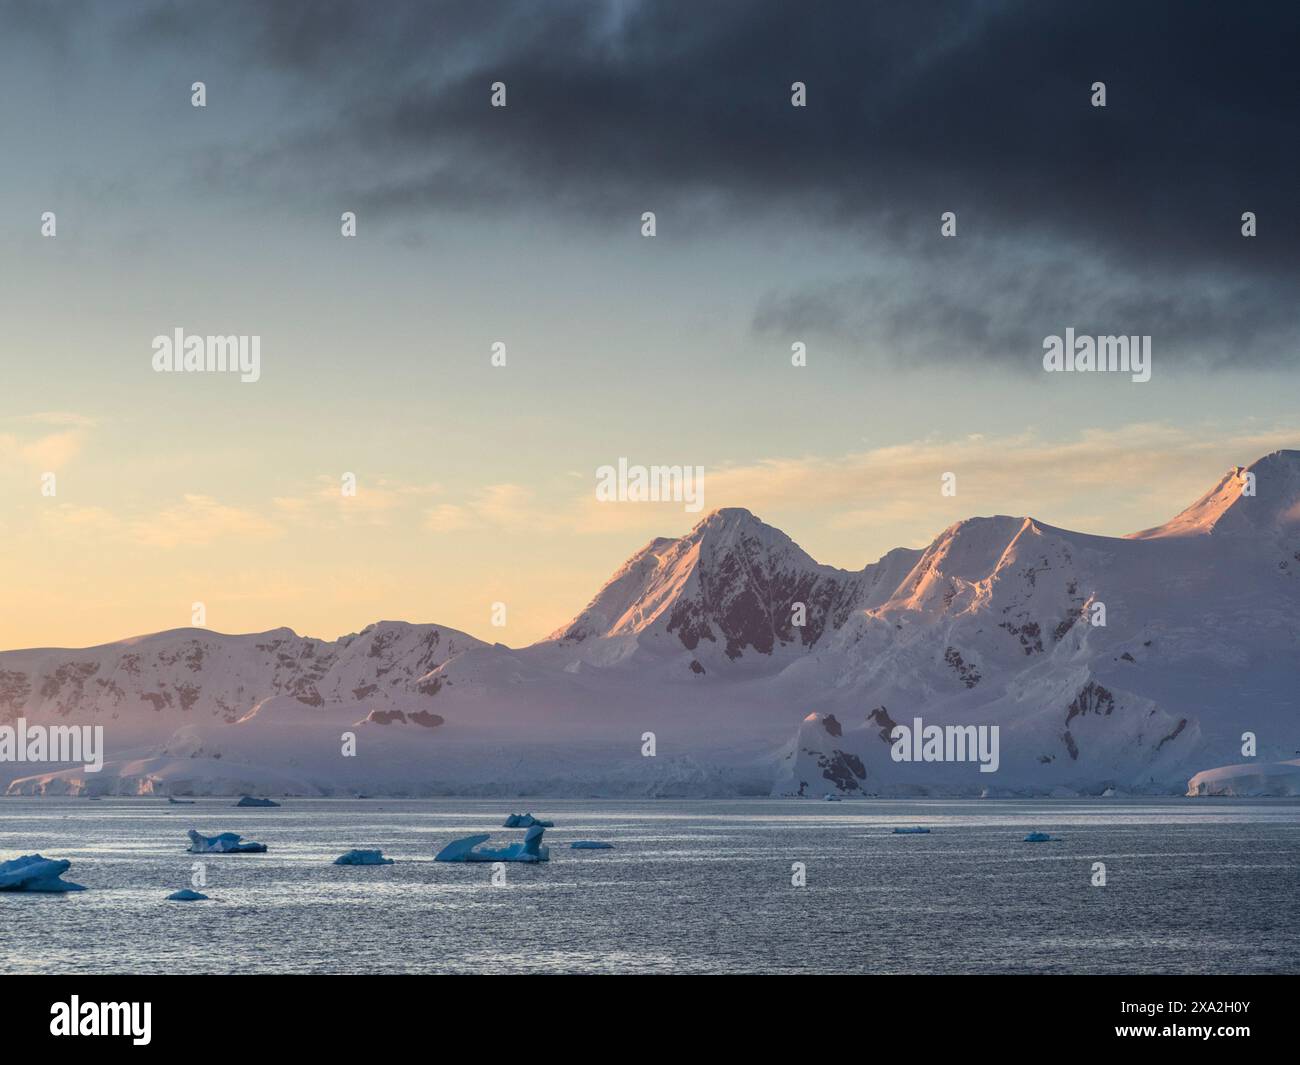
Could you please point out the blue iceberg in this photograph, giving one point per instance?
(1038, 837)
(356, 857)
(525, 821)
(248, 800)
(465, 850)
(226, 843)
(591, 845)
(34, 873)
(911, 831)
(186, 895)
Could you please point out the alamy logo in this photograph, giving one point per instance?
(20, 742)
(103, 1018)
(946, 743)
(179, 353)
(1071, 354)
(651, 484)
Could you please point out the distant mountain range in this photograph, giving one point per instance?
(1107, 663)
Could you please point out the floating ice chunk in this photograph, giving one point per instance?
(248, 800)
(1038, 837)
(356, 857)
(911, 831)
(180, 802)
(591, 845)
(830, 796)
(186, 895)
(34, 873)
(226, 843)
(464, 850)
(525, 821)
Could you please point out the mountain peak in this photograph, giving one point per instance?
(726, 519)
(1261, 497)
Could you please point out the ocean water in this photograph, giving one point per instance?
(1199, 886)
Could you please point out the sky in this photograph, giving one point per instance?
(522, 225)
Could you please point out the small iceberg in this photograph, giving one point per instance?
(186, 895)
(830, 796)
(356, 857)
(226, 843)
(525, 821)
(34, 873)
(465, 850)
(248, 800)
(179, 802)
(1038, 837)
(911, 831)
(591, 845)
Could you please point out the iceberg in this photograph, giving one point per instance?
(226, 843)
(525, 821)
(465, 850)
(911, 831)
(248, 800)
(1038, 837)
(180, 802)
(186, 895)
(1251, 780)
(591, 845)
(34, 873)
(362, 857)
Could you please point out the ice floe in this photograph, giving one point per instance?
(35, 873)
(363, 857)
(466, 850)
(1038, 837)
(911, 831)
(248, 800)
(225, 843)
(186, 895)
(525, 821)
(591, 845)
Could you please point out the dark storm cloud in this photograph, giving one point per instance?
(999, 304)
(914, 108)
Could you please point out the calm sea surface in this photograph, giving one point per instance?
(1207, 886)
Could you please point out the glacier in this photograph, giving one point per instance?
(1251, 780)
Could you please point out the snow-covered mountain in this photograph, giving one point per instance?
(193, 676)
(730, 587)
(728, 661)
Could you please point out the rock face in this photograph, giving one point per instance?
(1120, 664)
